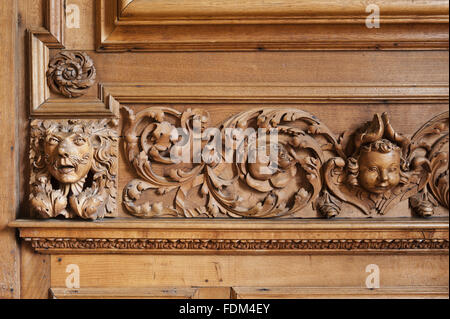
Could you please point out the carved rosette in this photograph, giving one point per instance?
(71, 73)
(74, 168)
(236, 188)
(432, 141)
(377, 171)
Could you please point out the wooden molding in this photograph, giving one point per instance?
(55, 20)
(111, 95)
(40, 41)
(150, 245)
(275, 12)
(283, 93)
(253, 293)
(142, 293)
(237, 236)
(124, 293)
(273, 25)
(106, 104)
(339, 293)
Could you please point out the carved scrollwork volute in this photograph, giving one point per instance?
(71, 73)
(240, 180)
(378, 170)
(432, 142)
(73, 168)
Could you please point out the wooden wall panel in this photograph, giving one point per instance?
(116, 271)
(401, 68)
(9, 250)
(35, 273)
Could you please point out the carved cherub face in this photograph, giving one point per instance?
(68, 155)
(379, 171)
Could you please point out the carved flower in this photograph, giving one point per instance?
(71, 73)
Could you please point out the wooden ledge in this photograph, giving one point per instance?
(236, 236)
(238, 224)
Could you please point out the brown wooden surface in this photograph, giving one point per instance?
(141, 293)
(142, 10)
(402, 69)
(281, 25)
(9, 250)
(127, 293)
(238, 237)
(340, 293)
(140, 271)
(34, 272)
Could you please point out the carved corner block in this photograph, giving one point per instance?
(74, 167)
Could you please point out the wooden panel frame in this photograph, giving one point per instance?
(274, 11)
(137, 25)
(112, 95)
(106, 104)
(40, 41)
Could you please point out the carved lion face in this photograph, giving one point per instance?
(68, 156)
(379, 172)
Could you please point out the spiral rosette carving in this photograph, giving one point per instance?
(432, 141)
(241, 180)
(71, 73)
(74, 168)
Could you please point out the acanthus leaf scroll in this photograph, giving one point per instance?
(372, 169)
(74, 168)
(432, 142)
(228, 189)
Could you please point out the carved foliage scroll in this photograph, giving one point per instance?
(74, 168)
(235, 188)
(372, 169)
(432, 141)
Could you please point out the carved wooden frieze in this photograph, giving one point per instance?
(71, 73)
(245, 185)
(231, 173)
(73, 168)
